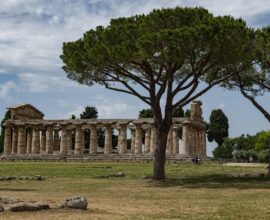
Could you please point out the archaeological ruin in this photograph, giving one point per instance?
(29, 136)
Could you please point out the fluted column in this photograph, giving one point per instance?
(122, 139)
(21, 140)
(14, 140)
(56, 140)
(64, 141)
(29, 141)
(153, 142)
(169, 142)
(7, 141)
(133, 134)
(204, 143)
(191, 142)
(49, 140)
(78, 141)
(83, 140)
(195, 139)
(35, 141)
(93, 139)
(147, 140)
(69, 139)
(138, 139)
(185, 141)
(175, 143)
(108, 140)
(43, 141)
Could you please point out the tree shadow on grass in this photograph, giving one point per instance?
(17, 190)
(215, 181)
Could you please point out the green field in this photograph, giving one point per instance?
(206, 191)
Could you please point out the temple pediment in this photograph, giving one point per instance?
(25, 111)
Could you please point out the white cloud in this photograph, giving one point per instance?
(5, 88)
(221, 106)
(32, 32)
(116, 109)
(76, 112)
(44, 82)
(3, 71)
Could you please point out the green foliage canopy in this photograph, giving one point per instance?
(179, 46)
(89, 112)
(218, 127)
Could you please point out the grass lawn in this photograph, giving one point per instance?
(205, 191)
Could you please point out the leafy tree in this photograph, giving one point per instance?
(146, 113)
(262, 140)
(187, 113)
(225, 150)
(73, 117)
(89, 112)
(218, 127)
(255, 81)
(174, 55)
(6, 117)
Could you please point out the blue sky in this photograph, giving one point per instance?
(31, 37)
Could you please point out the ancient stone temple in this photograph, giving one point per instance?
(29, 136)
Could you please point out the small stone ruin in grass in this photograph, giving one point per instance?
(17, 205)
(36, 178)
(241, 175)
(75, 202)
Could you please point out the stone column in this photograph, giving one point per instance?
(204, 143)
(191, 142)
(29, 141)
(56, 140)
(169, 142)
(43, 141)
(175, 143)
(35, 141)
(49, 140)
(64, 141)
(133, 134)
(78, 141)
(122, 139)
(147, 140)
(83, 140)
(199, 143)
(153, 142)
(21, 140)
(108, 140)
(138, 139)
(69, 139)
(185, 140)
(195, 139)
(7, 141)
(14, 140)
(93, 139)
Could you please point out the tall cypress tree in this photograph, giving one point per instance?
(218, 128)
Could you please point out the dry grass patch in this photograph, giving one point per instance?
(190, 192)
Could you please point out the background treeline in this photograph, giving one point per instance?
(245, 147)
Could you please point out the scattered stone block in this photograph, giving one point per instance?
(1, 208)
(22, 207)
(75, 202)
(7, 201)
(119, 174)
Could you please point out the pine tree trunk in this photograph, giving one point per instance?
(160, 156)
